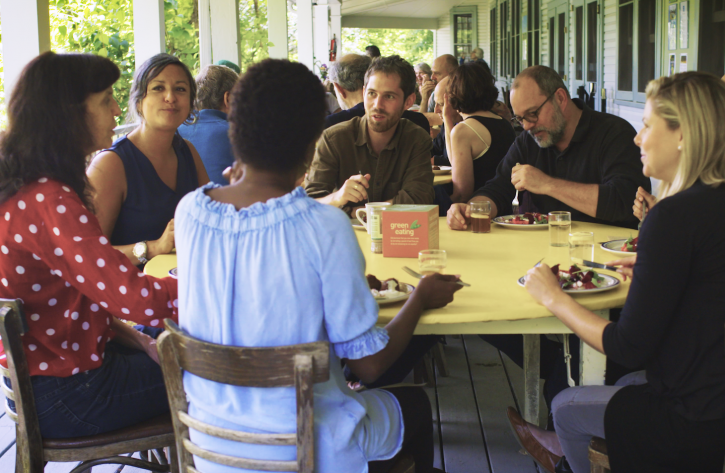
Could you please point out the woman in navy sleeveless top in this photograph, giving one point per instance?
(160, 167)
(477, 144)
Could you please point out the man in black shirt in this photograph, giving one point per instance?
(348, 76)
(570, 158)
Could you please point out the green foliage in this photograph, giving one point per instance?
(413, 45)
(253, 26)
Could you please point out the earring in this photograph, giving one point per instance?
(679, 148)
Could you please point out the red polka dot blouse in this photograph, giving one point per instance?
(71, 280)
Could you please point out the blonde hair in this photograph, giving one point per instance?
(693, 102)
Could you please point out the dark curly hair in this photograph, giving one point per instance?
(276, 114)
(395, 65)
(47, 133)
(148, 71)
(472, 88)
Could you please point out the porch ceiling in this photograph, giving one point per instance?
(398, 8)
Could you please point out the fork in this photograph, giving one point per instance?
(420, 276)
(515, 202)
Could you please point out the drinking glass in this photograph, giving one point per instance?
(431, 261)
(559, 228)
(581, 245)
(480, 216)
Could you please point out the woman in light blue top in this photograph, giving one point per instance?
(261, 264)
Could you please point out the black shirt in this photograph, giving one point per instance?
(502, 136)
(674, 318)
(359, 111)
(602, 151)
(439, 152)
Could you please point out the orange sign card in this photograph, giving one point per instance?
(408, 229)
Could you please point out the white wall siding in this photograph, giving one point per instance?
(443, 36)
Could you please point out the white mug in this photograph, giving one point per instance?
(370, 207)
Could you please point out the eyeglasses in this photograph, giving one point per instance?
(531, 117)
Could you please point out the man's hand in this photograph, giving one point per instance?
(529, 178)
(427, 88)
(436, 290)
(643, 196)
(458, 215)
(353, 190)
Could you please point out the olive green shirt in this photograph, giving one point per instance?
(402, 172)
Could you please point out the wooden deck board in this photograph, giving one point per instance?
(493, 396)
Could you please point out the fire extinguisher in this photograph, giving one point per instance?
(333, 48)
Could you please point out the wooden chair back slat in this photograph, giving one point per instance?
(237, 462)
(251, 367)
(300, 366)
(27, 430)
(236, 435)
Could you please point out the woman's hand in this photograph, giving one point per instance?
(163, 245)
(542, 285)
(626, 265)
(642, 196)
(450, 115)
(436, 290)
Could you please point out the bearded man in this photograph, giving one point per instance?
(568, 158)
(379, 157)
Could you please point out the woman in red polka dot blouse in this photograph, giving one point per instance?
(91, 373)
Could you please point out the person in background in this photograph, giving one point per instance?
(141, 178)
(443, 66)
(372, 51)
(673, 417)
(209, 132)
(347, 76)
(380, 156)
(91, 372)
(422, 75)
(317, 291)
(439, 150)
(477, 56)
(480, 141)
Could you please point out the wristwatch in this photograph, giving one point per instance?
(139, 251)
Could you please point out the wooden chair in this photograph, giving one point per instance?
(33, 451)
(300, 366)
(598, 456)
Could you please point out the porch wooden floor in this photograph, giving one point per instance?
(471, 431)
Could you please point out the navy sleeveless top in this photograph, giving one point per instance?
(502, 137)
(150, 203)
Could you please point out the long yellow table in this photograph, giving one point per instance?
(495, 303)
(442, 179)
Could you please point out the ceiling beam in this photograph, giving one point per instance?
(389, 22)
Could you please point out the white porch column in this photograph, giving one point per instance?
(26, 34)
(205, 55)
(277, 28)
(305, 48)
(336, 24)
(225, 35)
(149, 30)
(322, 32)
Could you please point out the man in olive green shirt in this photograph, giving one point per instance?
(379, 157)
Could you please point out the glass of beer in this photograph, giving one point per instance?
(581, 245)
(431, 261)
(559, 228)
(480, 217)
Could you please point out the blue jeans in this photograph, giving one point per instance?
(126, 389)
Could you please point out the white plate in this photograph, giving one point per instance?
(172, 273)
(393, 300)
(357, 225)
(517, 226)
(614, 246)
(443, 170)
(611, 283)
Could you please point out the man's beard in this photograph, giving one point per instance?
(382, 127)
(554, 134)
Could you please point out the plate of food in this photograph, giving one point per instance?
(582, 280)
(626, 247)
(441, 170)
(527, 221)
(173, 273)
(388, 291)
